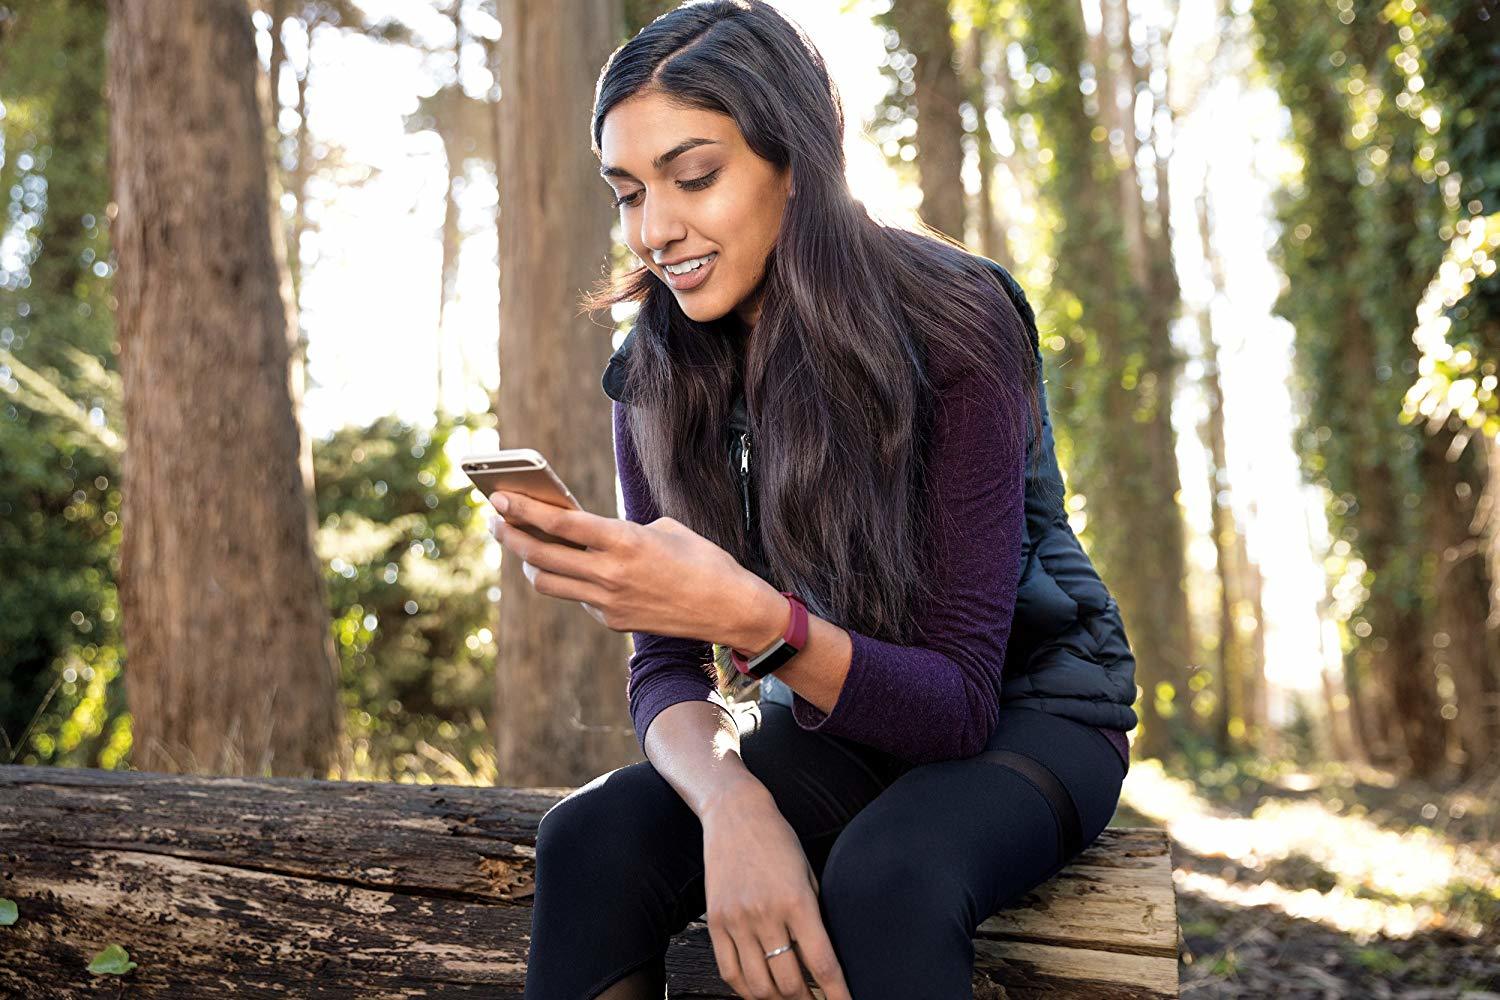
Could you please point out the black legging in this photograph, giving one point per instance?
(910, 860)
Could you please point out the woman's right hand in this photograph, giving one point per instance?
(762, 894)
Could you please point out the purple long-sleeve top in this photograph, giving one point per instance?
(937, 701)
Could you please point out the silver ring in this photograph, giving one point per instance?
(778, 951)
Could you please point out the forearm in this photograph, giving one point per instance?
(695, 746)
(819, 671)
(918, 703)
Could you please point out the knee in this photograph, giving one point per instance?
(560, 830)
(602, 824)
(574, 829)
(883, 882)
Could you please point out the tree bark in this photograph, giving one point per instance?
(453, 160)
(926, 31)
(560, 712)
(989, 237)
(1107, 49)
(1122, 375)
(1258, 732)
(231, 666)
(1235, 663)
(1463, 639)
(286, 887)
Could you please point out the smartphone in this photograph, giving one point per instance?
(525, 471)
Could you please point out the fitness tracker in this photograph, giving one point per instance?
(789, 645)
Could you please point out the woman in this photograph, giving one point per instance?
(822, 428)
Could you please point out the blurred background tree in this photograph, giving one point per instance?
(1362, 239)
(1045, 136)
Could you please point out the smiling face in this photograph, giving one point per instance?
(688, 186)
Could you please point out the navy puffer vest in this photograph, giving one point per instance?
(1068, 653)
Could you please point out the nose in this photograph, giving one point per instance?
(660, 224)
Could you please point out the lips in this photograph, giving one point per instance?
(692, 279)
(683, 260)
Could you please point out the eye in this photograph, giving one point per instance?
(693, 184)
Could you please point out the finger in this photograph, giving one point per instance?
(815, 951)
(786, 968)
(554, 557)
(564, 587)
(767, 976)
(725, 953)
(579, 526)
(755, 978)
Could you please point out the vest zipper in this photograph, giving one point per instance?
(745, 476)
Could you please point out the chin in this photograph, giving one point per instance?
(699, 311)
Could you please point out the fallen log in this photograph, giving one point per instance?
(259, 887)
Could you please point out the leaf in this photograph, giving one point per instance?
(7, 911)
(113, 960)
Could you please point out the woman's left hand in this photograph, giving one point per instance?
(661, 577)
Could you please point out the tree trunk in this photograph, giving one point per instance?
(1338, 743)
(1107, 49)
(1463, 640)
(1119, 402)
(1239, 667)
(231, 663)
(988, 235)
(280, 14)
(995, 222)
(1227, 707)
(453, 159)
(279, 887)
(1352, 336)
(926, 31)
(1256, 727)
(560, 711)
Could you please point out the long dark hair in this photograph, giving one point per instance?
(861, 326)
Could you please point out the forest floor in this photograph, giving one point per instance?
(1326, 880)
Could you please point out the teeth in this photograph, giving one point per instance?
(688, 265)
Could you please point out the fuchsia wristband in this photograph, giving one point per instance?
(792, 640)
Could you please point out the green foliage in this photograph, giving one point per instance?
(1379, 961)
(1358, 247)
(410, 593)
(396, 533)
(59, 397)
(1227, 965)
(1451, 48)
(1109, 367)
(893, 117)
(1468, 899)
(113, 960)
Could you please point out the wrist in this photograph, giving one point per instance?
(734, 798)
(764, 616)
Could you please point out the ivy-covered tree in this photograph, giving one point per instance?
(1361, 235)
(1112, 369)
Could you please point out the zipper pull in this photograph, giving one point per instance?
(745, 475)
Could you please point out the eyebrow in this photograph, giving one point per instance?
(662, 160)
